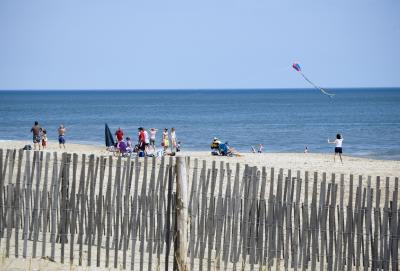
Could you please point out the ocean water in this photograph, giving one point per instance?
(284, 120)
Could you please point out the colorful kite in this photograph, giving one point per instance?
(296, 66)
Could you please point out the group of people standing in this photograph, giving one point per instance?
(39, 136)
(146, 140)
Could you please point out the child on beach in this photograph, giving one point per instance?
(44, 138)
(61, 135)
(260, 148)
(173, 140)
(338, 146)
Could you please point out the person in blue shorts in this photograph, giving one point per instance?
(61, 136)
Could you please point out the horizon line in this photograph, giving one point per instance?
(186, 89)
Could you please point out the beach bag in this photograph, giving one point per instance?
(27, 148)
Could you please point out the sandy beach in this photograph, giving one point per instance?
(319, 162)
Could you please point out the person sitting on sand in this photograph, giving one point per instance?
(36, 129)
(338, 146)
(128, 142)
(61, 135)
(215, 146)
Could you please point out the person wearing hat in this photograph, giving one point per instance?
(215, 146)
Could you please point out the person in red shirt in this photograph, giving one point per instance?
(119, 134)
(141, 139)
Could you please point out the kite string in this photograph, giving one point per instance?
(317, 87)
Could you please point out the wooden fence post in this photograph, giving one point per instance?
(181, 244)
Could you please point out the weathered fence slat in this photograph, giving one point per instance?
(18, 198)
(28, 191)
(91, 185)
(193, 210)
(125, 222)
(72, 207)
(10, 202)
(134, 211)
(151, 211)
(314, 224)
(35, 216)
(82, 197)
(143, 222)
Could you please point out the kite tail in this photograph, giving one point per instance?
(317, 87)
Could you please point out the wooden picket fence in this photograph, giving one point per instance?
(121, 213)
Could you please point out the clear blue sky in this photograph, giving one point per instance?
(164, 44)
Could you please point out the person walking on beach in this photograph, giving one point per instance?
(36, 130)
(165, 139)
(153, 132)
(119, 134)
(338, 146)
(61, 135)
(173, 140)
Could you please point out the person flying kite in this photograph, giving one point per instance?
(296, 66)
